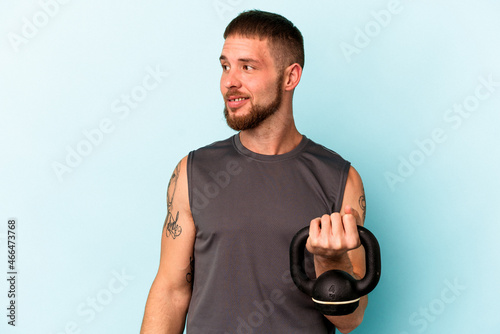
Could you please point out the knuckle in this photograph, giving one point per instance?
(336, 216)
(354, 242)
(314, 241)
(336, 242)
(348, 218)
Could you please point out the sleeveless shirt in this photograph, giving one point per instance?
(246, 208)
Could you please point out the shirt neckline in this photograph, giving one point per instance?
(264, 157)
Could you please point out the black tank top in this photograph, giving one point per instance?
(246, 208)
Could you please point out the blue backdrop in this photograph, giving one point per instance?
(99, 100)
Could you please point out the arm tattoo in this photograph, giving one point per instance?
(190, 274)
(172, 229)
(362, 204)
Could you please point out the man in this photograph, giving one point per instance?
(234, 206)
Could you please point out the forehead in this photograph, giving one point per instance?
(237, 47)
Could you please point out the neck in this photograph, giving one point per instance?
(276, 135)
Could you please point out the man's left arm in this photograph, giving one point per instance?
(334, 241)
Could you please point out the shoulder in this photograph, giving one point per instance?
(178, 185)
(211, 156)
(323, 151)
(214, 147)
(354, 180)
(326, 157)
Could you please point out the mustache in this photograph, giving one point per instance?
(233, 92)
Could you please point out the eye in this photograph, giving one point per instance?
(248, 67)
(225, 67)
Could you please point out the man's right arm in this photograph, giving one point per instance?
(170, 293)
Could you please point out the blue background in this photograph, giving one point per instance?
(379, 89)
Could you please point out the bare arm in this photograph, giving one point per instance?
(334, 241)
(170, 293)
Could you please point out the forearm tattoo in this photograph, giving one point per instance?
(172, 229)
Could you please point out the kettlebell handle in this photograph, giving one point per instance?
(362, 287)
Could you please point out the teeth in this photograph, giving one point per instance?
(240, 99)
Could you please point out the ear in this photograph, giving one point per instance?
(293, 73)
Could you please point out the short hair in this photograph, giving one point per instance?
(285, 40)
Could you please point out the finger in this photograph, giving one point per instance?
(315, 228)
(314, 231)
(326, 226)
(349, 224)
(337, 228)
(351, 231)
(350, 210)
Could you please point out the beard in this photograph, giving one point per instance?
(257, 114)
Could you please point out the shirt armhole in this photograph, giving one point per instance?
(189, 170)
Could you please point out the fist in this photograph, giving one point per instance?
(332, 236)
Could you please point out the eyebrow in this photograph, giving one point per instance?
(241, 60)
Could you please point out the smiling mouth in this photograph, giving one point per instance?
(238, 99)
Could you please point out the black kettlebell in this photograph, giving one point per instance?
(335, 292)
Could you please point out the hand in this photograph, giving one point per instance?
(332, 236)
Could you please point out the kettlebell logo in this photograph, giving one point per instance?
(331, 292)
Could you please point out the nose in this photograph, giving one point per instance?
(231, 79)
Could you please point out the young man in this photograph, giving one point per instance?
(234, 206)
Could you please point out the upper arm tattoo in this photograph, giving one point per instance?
(190, 274)
(172, 229)
(362, 204)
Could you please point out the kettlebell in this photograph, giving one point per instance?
(335, 292)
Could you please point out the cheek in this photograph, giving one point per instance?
(221, 84)
(268, 92)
